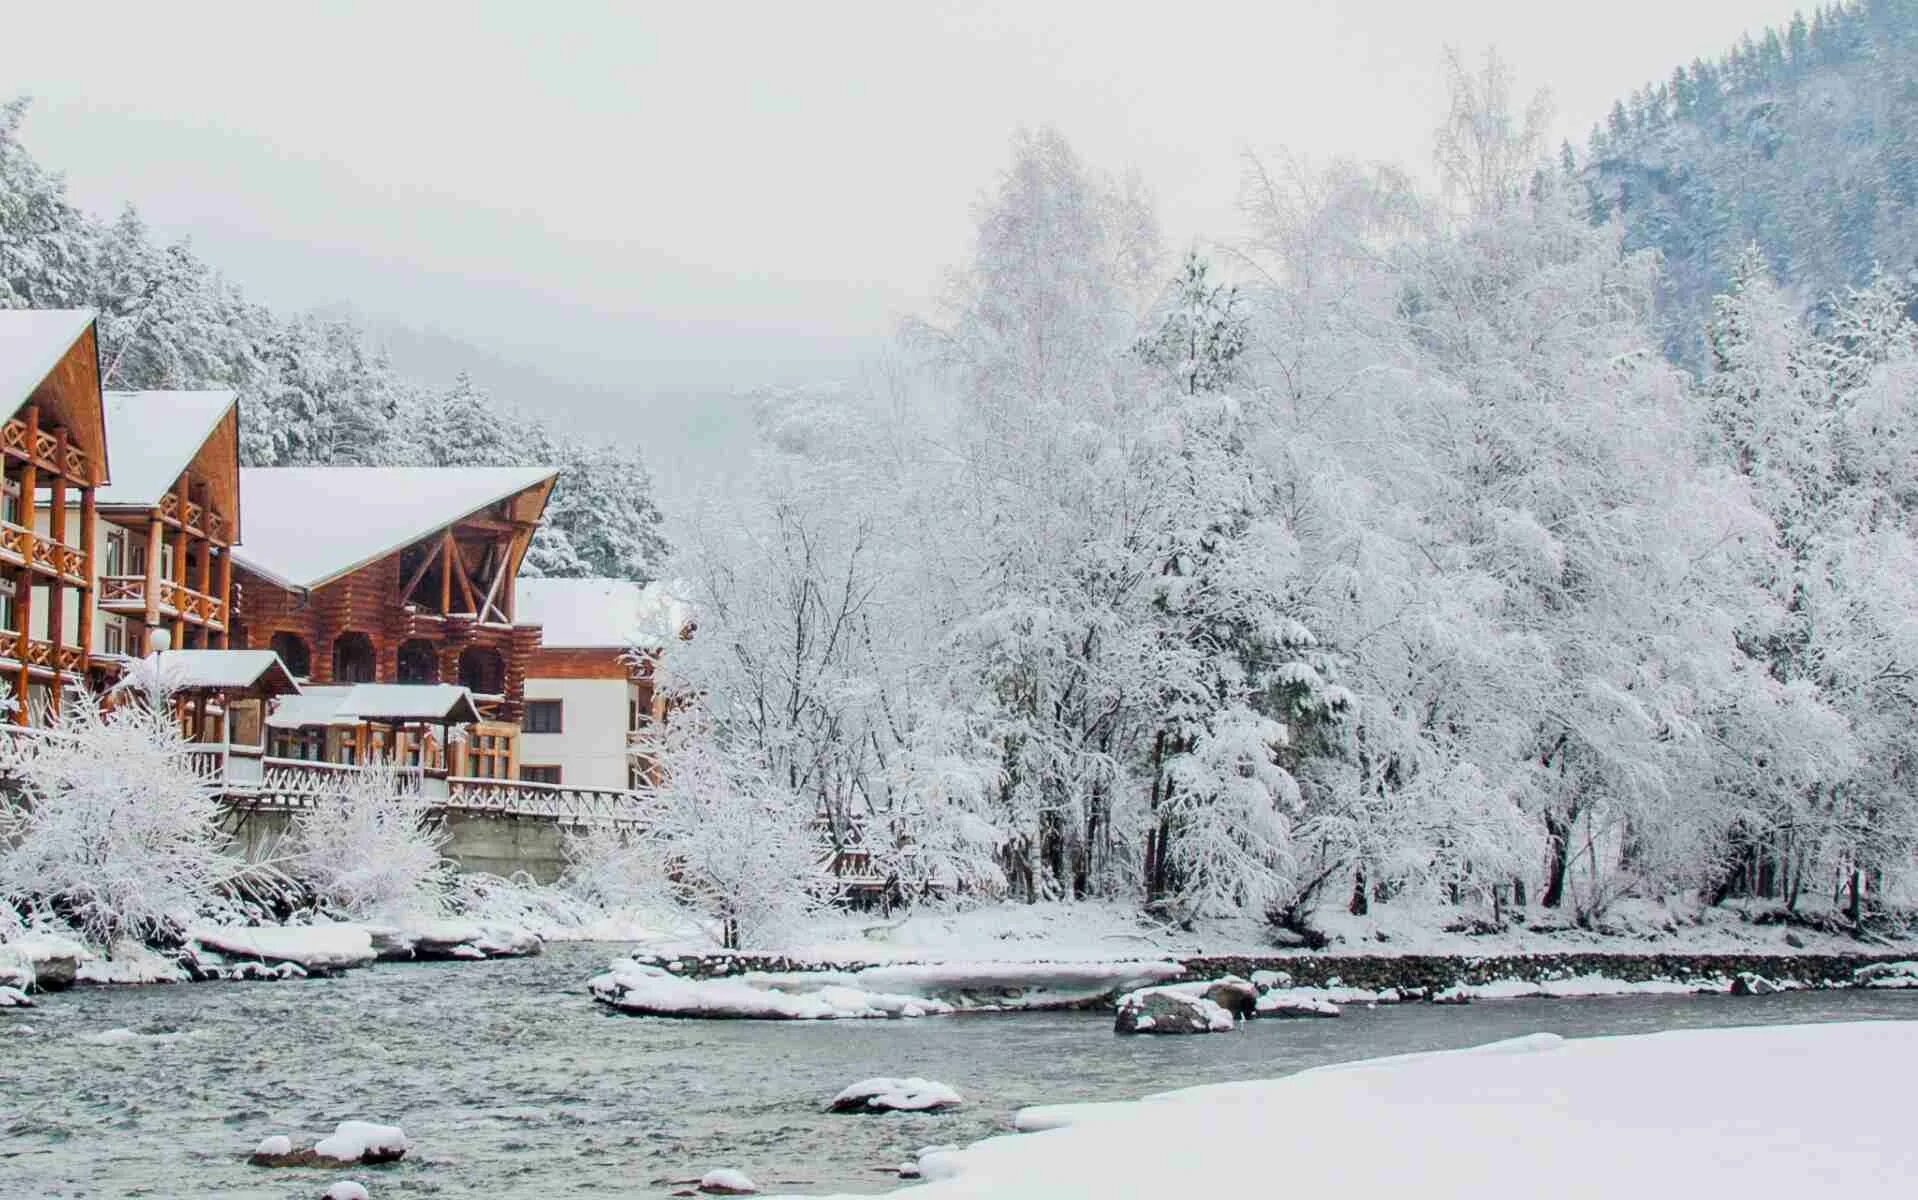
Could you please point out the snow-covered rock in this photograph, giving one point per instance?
(727, 1182)
(48, 961)
(1018, 985)
(1751, 983)
(449, 939)
(363, 1142)
(129, 962)
(1619, 1107)
(1169, 1010)
(1296, 1002)
(13, 997)
(1887, 975)
(345, 1189)
(650, 991)
(276, 1144)
(314, 947)
(896, 1095)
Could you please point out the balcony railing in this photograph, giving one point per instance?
(194, 518)
(128, 594)
(45, 451)
(22, 547)
(40, 655)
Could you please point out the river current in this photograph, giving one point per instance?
(511, 1083)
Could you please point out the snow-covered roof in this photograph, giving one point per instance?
(384, 702)
(306, 526)
(227, 671)
(614, 613)
(152, 437)
(32, 343)
(313, 706)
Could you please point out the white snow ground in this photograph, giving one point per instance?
(1683, 1113)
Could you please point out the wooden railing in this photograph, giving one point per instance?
(40, 654)
(194, 518)
(128, 594)
(45, 451)
(22, 547)
(558, 802)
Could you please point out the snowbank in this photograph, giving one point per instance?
(41, 959)
(1626, 1114)
(1017, 985)
(896, 1095)
(1296, 1002)
(130, 962)
(313, 947)
(648, 991)
(1579, 986)
(1888, 975)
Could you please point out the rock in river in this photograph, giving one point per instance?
(1165, 1010)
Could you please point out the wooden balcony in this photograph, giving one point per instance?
(21, 547)
(41, 656)
(127, 594)
(44, 452)
(194, 518)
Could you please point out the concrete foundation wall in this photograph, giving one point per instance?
(496, 845)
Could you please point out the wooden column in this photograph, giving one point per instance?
(446, 573)
(56, 589)
(89, 522)
(205, 586)
(185, 494)
(156, 529)
(226, 597)
(23, 600)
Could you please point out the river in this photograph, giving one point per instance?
(511, 1083)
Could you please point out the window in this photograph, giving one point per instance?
(532, 774)
(291, 648)
(10, 508)
(116, 552)
(114, 638)
(353, 658)
(543, 716)
(9, 614)
(418, 662)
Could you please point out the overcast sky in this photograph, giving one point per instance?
(703, 195)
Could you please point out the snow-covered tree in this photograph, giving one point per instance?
(114, 831)
(370, 847)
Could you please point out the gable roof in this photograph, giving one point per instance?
(32, 343)
(611, 613)
(307, 526)
(153, 436)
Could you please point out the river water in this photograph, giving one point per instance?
(510, 1082)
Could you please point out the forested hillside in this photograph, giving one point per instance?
(1407, 574)
(313, 389)
(1803, 140)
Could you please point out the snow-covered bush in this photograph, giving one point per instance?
(615, 868)
(113, 830)
(370, 846)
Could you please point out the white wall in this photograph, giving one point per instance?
(590, 750)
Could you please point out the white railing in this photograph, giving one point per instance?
(291, 783)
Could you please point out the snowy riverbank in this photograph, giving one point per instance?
(1684, 1113)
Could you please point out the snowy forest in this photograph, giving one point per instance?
(313, 389)
(1380, 554)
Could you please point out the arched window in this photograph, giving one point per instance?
(482, 671)
(291, 648)
(353, 658)
(419, 662)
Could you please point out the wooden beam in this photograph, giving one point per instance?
(492, 589)
(205, 586)
(467, 589)
(406, 591)
(446, 571)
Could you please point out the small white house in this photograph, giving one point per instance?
(588, 693)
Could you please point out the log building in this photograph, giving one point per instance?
(396, 576)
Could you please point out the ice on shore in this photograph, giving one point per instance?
(1461, 1125)
(649, 991)
(313, 947)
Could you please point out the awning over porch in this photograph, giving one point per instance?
(258, 673)
(378, 703)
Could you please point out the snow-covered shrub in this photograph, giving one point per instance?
(370, 847)
(113, 830)
(615, 868)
